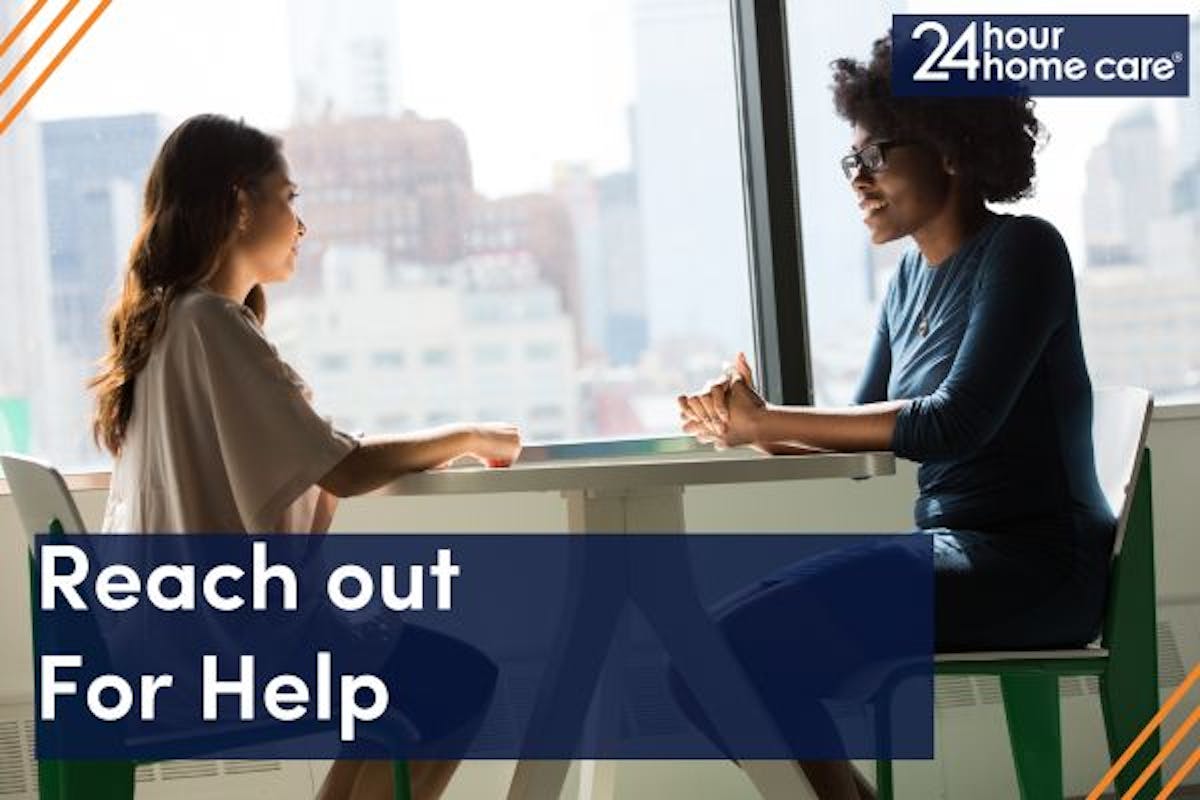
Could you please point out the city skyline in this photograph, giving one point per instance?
(647, 257)
(593, 81)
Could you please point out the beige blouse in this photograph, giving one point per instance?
(222, 437)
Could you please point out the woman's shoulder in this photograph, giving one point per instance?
(200, 308)
(1029, 251)
(203, 325)
(1029, 231)
(224, 330)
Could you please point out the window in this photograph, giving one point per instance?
(596, 208)
(438, 357)
(388, 359)
(1119, 177)
(332, 362)
(544, 412)
(541, 351)
(490, 354)
(391, 423)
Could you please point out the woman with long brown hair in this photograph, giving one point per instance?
(210, 430)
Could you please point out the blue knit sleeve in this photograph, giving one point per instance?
(873, 386)
(1023, 293)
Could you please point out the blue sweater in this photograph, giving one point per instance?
(1001, 410)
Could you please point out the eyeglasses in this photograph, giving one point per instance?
(872, 157)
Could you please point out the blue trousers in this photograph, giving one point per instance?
(1031, 589)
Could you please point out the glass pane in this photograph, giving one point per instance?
(532, 208)
(1119, 177)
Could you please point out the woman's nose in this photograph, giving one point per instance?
(302, 228)
(863, 177)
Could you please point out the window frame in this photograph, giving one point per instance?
(772, 200)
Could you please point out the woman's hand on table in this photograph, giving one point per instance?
(710, 405)
(494, 444)
(743, 410)
(727, 410)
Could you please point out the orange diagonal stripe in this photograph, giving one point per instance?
(1178, 777)
(21, 26)
(37, 45)
(1168, 748)
(1151, 726)
(53, 65)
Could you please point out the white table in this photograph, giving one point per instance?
(644, 494)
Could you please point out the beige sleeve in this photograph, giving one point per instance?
(273, 444)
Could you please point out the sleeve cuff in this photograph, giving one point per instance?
(902, 438)
(267, 517)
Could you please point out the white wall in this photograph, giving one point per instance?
(879, 504)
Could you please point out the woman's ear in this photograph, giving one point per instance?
(948, 166)
(243, 208)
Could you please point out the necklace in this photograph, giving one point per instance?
(923, 322)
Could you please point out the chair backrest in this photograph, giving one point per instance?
(1120, 420)
(41, 496)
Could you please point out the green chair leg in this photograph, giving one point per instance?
(1127, 708)
(85, 780)
(883, 779)
(883, 741)
(1129, 686)
(1031, 708)
(402, 780)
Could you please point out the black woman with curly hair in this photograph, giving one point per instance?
(977, 372)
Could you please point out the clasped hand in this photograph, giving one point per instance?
(727, 411)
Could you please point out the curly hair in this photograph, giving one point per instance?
(990, 140)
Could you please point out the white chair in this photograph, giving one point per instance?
(45, 505)
(41, 496)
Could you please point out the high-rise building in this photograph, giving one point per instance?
(1188, 107)
(389, 347)
(606, 221)
(1140, 311)
(575, 187)
(401, 186)
(345, 65)
(625, 326)
(27, 419)
(95, 170)
(537, 224)
(1126, 191)
(1143, 332)
(404, 187)
(1105, 237)
(690, 189)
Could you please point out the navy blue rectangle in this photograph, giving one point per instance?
(542, 646)
(1079, 55)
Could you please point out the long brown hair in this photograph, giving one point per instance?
(189, 223)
